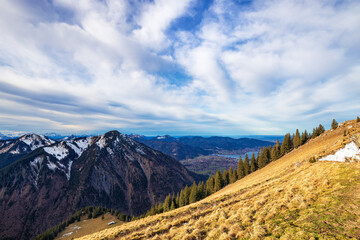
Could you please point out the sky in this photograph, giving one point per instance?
(187, 67)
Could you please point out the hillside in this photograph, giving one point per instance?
(288, 199)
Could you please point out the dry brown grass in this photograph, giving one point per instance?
(87, 226)
(288, 199)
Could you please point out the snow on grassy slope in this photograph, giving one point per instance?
(350, 152)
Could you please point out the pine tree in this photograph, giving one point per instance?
(240, 169)
(226, 177)
(201, 191)
(246, 165)
(297, 140)
(263, 158)
(177, 200)
(304, 137)
(167, 203)
(219, 182)
(253, 164)
(314, 133)
(173, 205)
(210, 186)
(358, 119)
(321, 129)
(187, 194)
(334, 124)
(193, 193)
(275, 151)
(287, 144)
(234, 177)
(182, 201)
(231, 172)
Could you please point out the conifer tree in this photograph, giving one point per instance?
(304, 137)
(253, 163)
(177, 200)
(297, 140)
(246, 165)
(334, 124)
(182, 201)
(201, 191)
(268, 152)
(234, 177)
(193, 193)
(167, 203)
(231, 172)
(210, 185)
(275, 151)
(263, 158)
(314, 133)
(219, 182)
(321, 129)
(226, 177)
(286, 145)
(187, 194)
(358, 119)
(240, 169)
(173, 205)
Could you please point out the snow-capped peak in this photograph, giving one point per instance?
(35, 141)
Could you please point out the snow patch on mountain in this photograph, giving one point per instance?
(6, 148)
(101, 142)
(110, 151)
(36, 163)
(52, 166)
(79, 145)
(350, 152)
(140, 150)
(35, 168)
(59, 151)
(69, 170)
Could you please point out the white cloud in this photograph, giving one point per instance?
(155, 18)
(266, 67)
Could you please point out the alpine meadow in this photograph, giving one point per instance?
(192, 119)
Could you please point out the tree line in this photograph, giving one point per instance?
(89, 212)
(201, 190)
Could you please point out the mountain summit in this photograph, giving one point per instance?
(45, 185)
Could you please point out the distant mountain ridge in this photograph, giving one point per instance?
(190, 147)
(47, 180)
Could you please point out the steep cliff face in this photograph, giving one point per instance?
(48, 184)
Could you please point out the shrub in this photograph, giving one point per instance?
(312, 160)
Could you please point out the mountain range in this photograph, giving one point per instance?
(190, 147)
(42, 181)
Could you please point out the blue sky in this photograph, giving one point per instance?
(178, 67)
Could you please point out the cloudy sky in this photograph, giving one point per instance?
(175, 67)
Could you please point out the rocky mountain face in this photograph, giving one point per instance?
(190, 147)
(54, 179)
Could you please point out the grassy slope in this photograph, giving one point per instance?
(288, 199)
(87, 226)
